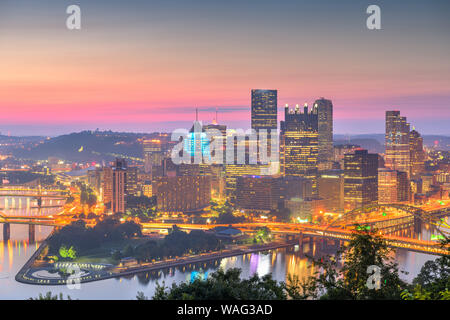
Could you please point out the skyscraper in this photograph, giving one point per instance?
(397, 143)
(416, 153)
(119, 178)
(324, 110)
(360, 179)
(153, 154)
(132, 188)
(232, 172)
(184, 194)
(264, 109)
(264, 115)
(107, 185)
(299, 144)
(330, 186)
(393, 186)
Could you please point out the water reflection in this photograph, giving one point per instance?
(280, 263)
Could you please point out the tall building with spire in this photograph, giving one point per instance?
(324, 109)
(397, 155)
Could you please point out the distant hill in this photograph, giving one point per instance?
(375, 142)
(370, 144)
(85, 146)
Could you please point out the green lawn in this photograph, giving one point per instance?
(102, 254)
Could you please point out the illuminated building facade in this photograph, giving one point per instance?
(153, 154)
(232, 172)
(264, 109)
(94, 179)
(324, 110)
(341, 150)
(256, 193)
(182, 194)
(330, 185)
(216, 172)
(107, 184)
(262, 194)
(393, 186)
(387, 186)
(397, 155)
(299, 144)
(132, 184)
(303, 210)
(417, 153)
(360, 179)
(264, 113)
(119, 176)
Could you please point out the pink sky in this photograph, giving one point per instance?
(139, 78)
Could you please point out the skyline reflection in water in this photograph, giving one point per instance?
(280, 263)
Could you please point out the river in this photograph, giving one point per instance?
(281, 262)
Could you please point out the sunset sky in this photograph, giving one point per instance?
(146, 65)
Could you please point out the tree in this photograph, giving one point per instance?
(228, 218)
(433, 280)
(263, 234)
(223, 285)
(91, 199)
(49, 296)
(140, 296)
(70, 199)
(67, 253)
(130, 229)
(333, 282)
(282, 214)
(140, 201)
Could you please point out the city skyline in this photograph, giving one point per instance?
(239, 152)
(150, 71)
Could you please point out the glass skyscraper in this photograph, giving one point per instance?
(397, 143)
(360, 179)
(264, 109)
(299, 144)
(324, 109)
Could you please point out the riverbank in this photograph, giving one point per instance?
(34, 274)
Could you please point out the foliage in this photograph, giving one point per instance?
(140, 201)
(263, 234)
(420, 293)
(177, 243)
(49, 296)
(433, 280)
(282, 214)
(87, 195)
(345, 276)
(21, 177)
(70, 199)
(143, 214)
(223, 285)
(224, 213)
(67, 253)
(79, 237)
(140, 296)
